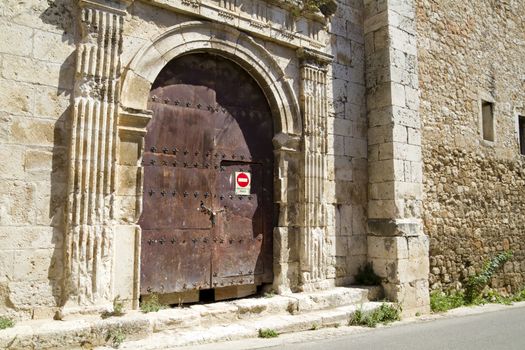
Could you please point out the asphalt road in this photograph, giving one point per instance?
(493, 330)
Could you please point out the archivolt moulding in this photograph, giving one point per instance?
(222, 40)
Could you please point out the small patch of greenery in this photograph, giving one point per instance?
(366, 276)
(116, 337)
(418, 314)
(6, 322)
(475, 284)
(314, 327)
(268, 333)
(386, 313)
(151, 304)
(118, 308)
(269, 294)
(520, 296)
(441, 301)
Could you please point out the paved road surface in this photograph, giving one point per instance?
(492, 330)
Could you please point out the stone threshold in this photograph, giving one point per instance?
(195, 324)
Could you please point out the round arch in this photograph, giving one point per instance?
(222, 40)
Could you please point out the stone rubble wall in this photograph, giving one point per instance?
(37, 71)
(474, 201)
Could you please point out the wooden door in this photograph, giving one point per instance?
(210, 122)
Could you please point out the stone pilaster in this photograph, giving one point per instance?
(92, 161)
(397, 246)
(312, 255)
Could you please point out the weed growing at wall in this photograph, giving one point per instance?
(386, 313)
(151, 304)
(116, 337)
(118, 308)
(6, 322)
(475, 284)
(268, 333)
(476, 292)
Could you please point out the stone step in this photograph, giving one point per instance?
(90, 331)
(243, 329)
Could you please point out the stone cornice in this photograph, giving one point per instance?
(117, 7)
(269, 21)
(310, 57)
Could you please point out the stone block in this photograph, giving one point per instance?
(382, 209)
(418, 247)
(135, 91)
(355, 147)
(23, 69)
(7, 265)
(34, 132)
(393, 248)
(126, 261)
(11, 162)
(30, 294)
(128, 180)
(16, 97)
(51, 102)
(52, 47)
(30, 237)
(126, 209)
(16, 39)
(382, 190)
(17, 203)
(38, 161)
(36, 265)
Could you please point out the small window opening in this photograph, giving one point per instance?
(521, 130)
(487, 110)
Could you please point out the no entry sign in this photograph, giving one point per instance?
(242, 183)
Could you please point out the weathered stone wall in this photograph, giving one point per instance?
(37, 72)
(474, 204)
(347, 142)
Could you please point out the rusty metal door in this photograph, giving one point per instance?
(210, 120)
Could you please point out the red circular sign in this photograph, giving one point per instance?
(243, 180)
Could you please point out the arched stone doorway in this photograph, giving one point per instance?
(207, 216)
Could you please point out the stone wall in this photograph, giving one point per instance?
(474, 189)
(37, 72)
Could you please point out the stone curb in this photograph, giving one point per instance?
(93, 331)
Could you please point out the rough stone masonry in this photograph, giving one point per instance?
(378, 147)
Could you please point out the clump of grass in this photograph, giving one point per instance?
(441, 301)
(151, 304)
(366, 276)
(118, 308)
(315, 326)
(268, 333)
(6, 322)
(386, 313)
(520, 296)
(116, 337)
(269, 294)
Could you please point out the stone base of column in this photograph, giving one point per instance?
(398, 251)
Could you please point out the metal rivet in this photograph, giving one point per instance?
(223, 155)
(162, 193)
(151, 192)
(165, 150)
(195, 165)
(166, 100)
(154, 98)
(250, 197)
(205, 240)
(185, 164)
(206, 194)
(231, 197)
(164, 162)
(174, 193)
(188, 104)
(215, 274)
(216, 155)
(242, 157)
(196, 194)
(153, 149)
(150, 241)
(197, 153)
(206, 165)
(152, 162)
(199, 105)
(221, 197)
(185, 152)
(185, 194)
(231, 241)
(233, 156)
(174, 164)
(175, 150)
(161, 241)
(173, 241)
(208, 154)
(194, 240)
(177, 102)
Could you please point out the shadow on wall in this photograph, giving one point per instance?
(62, 15)
(348, 148)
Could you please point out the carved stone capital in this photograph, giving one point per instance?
(117, 7)
(309, 57)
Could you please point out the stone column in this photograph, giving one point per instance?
(397, 246)
(91, 184)
(312, 257)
